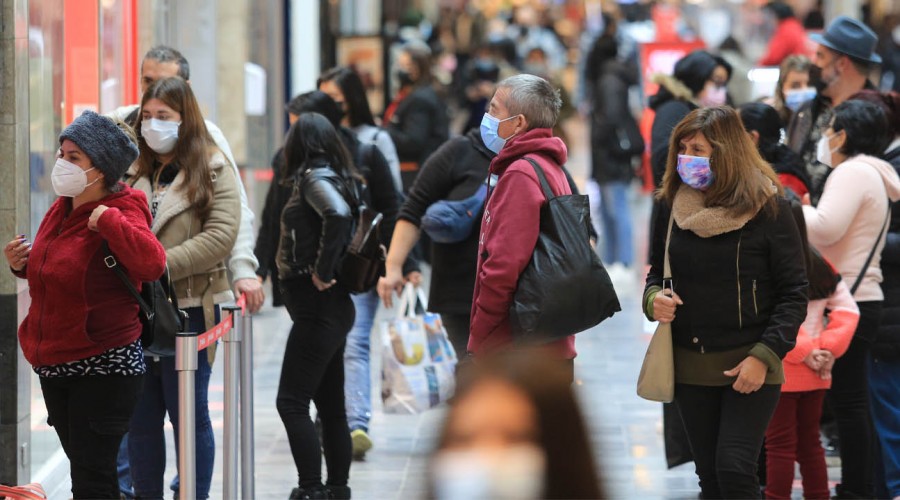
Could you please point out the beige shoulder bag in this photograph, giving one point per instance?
(657, 379)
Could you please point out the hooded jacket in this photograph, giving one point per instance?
(849, 217)
(509, 231)
(80, 308)
(671, 104)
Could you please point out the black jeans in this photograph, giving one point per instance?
(313, 370)
(849, 399)
(90, 415)
(726, 431)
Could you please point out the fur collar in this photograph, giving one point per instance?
(675, 87)
(692, 214)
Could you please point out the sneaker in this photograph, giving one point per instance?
(316, 492)
(338, 492)
(361, 444)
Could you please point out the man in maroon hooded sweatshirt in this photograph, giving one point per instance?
(519, 124)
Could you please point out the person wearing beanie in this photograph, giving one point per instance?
(82, 332)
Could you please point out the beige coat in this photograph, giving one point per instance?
(197, 250)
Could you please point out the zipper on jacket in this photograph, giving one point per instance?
(294, 245)
(738, 267)
(755, 309)
(191, 277)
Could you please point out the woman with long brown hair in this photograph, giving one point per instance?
(736, 296)
(195, 205)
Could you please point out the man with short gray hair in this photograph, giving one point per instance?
(518, 127)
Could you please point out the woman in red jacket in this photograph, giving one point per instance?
(81, 334)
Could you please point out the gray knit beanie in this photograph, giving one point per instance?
(109, 148)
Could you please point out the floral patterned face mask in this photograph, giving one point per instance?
(695, 171)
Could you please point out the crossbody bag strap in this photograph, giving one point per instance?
(110, 261)
(865, 267)
(667, 270)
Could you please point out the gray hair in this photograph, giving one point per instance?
(164, 54)
(533, 97)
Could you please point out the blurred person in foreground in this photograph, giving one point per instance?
(514, 430)
(82, 334)
(736, 296)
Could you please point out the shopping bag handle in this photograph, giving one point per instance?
(409, 299)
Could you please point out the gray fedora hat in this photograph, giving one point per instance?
(851, 37)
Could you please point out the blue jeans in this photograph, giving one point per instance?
(123, 469)
(616, 215)
(146, 438)
(357, 376)
(884, 389)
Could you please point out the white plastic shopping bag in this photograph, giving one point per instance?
(418, 361)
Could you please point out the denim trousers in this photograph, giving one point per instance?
(616, 215)
(146, 438)
(793, 436)
(313, 371)
(90, 415)
(357, 375)
(726, 431)
(849, 400)
(884, 388)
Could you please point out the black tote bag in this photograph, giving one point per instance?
(565, 288)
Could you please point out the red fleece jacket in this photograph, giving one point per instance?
(789, 39)
(79, 307)
(509, 232)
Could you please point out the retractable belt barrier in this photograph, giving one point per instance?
(237, 330)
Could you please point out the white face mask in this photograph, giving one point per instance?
(512, 473)
(824, 151)
(160, 135)
(69, 179)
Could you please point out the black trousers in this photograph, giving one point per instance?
(313, 370)
(457, 326)
(90, 415)
(726, 431)
(849, 400)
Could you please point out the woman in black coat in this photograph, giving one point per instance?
(416, 120)
(736, 298)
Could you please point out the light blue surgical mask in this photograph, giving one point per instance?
(794, 98)
(490, 134)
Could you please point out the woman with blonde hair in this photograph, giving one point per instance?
(196, 210)
(793, 89)
(736, 295)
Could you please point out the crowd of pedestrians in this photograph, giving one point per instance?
(773, 254)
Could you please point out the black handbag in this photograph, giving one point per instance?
(364, 261)
(160, 316)
(565, 288)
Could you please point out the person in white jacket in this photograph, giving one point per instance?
(164, 62)
(847, 227)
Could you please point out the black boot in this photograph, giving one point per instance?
(314, 493)
(338, 492)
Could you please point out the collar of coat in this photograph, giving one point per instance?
(692, 214)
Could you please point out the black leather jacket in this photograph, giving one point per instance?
(316, 224)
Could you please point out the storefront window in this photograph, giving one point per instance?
(46, 84)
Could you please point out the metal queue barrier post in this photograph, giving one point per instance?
(232, 393)
(247, 453)
(186, 366)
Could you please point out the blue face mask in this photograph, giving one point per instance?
(695, 171)
(490, 134)
(795, 98)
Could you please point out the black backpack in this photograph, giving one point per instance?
(364, 261)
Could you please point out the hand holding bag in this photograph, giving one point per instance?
(657, 379)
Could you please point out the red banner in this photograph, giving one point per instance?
(210, 336)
